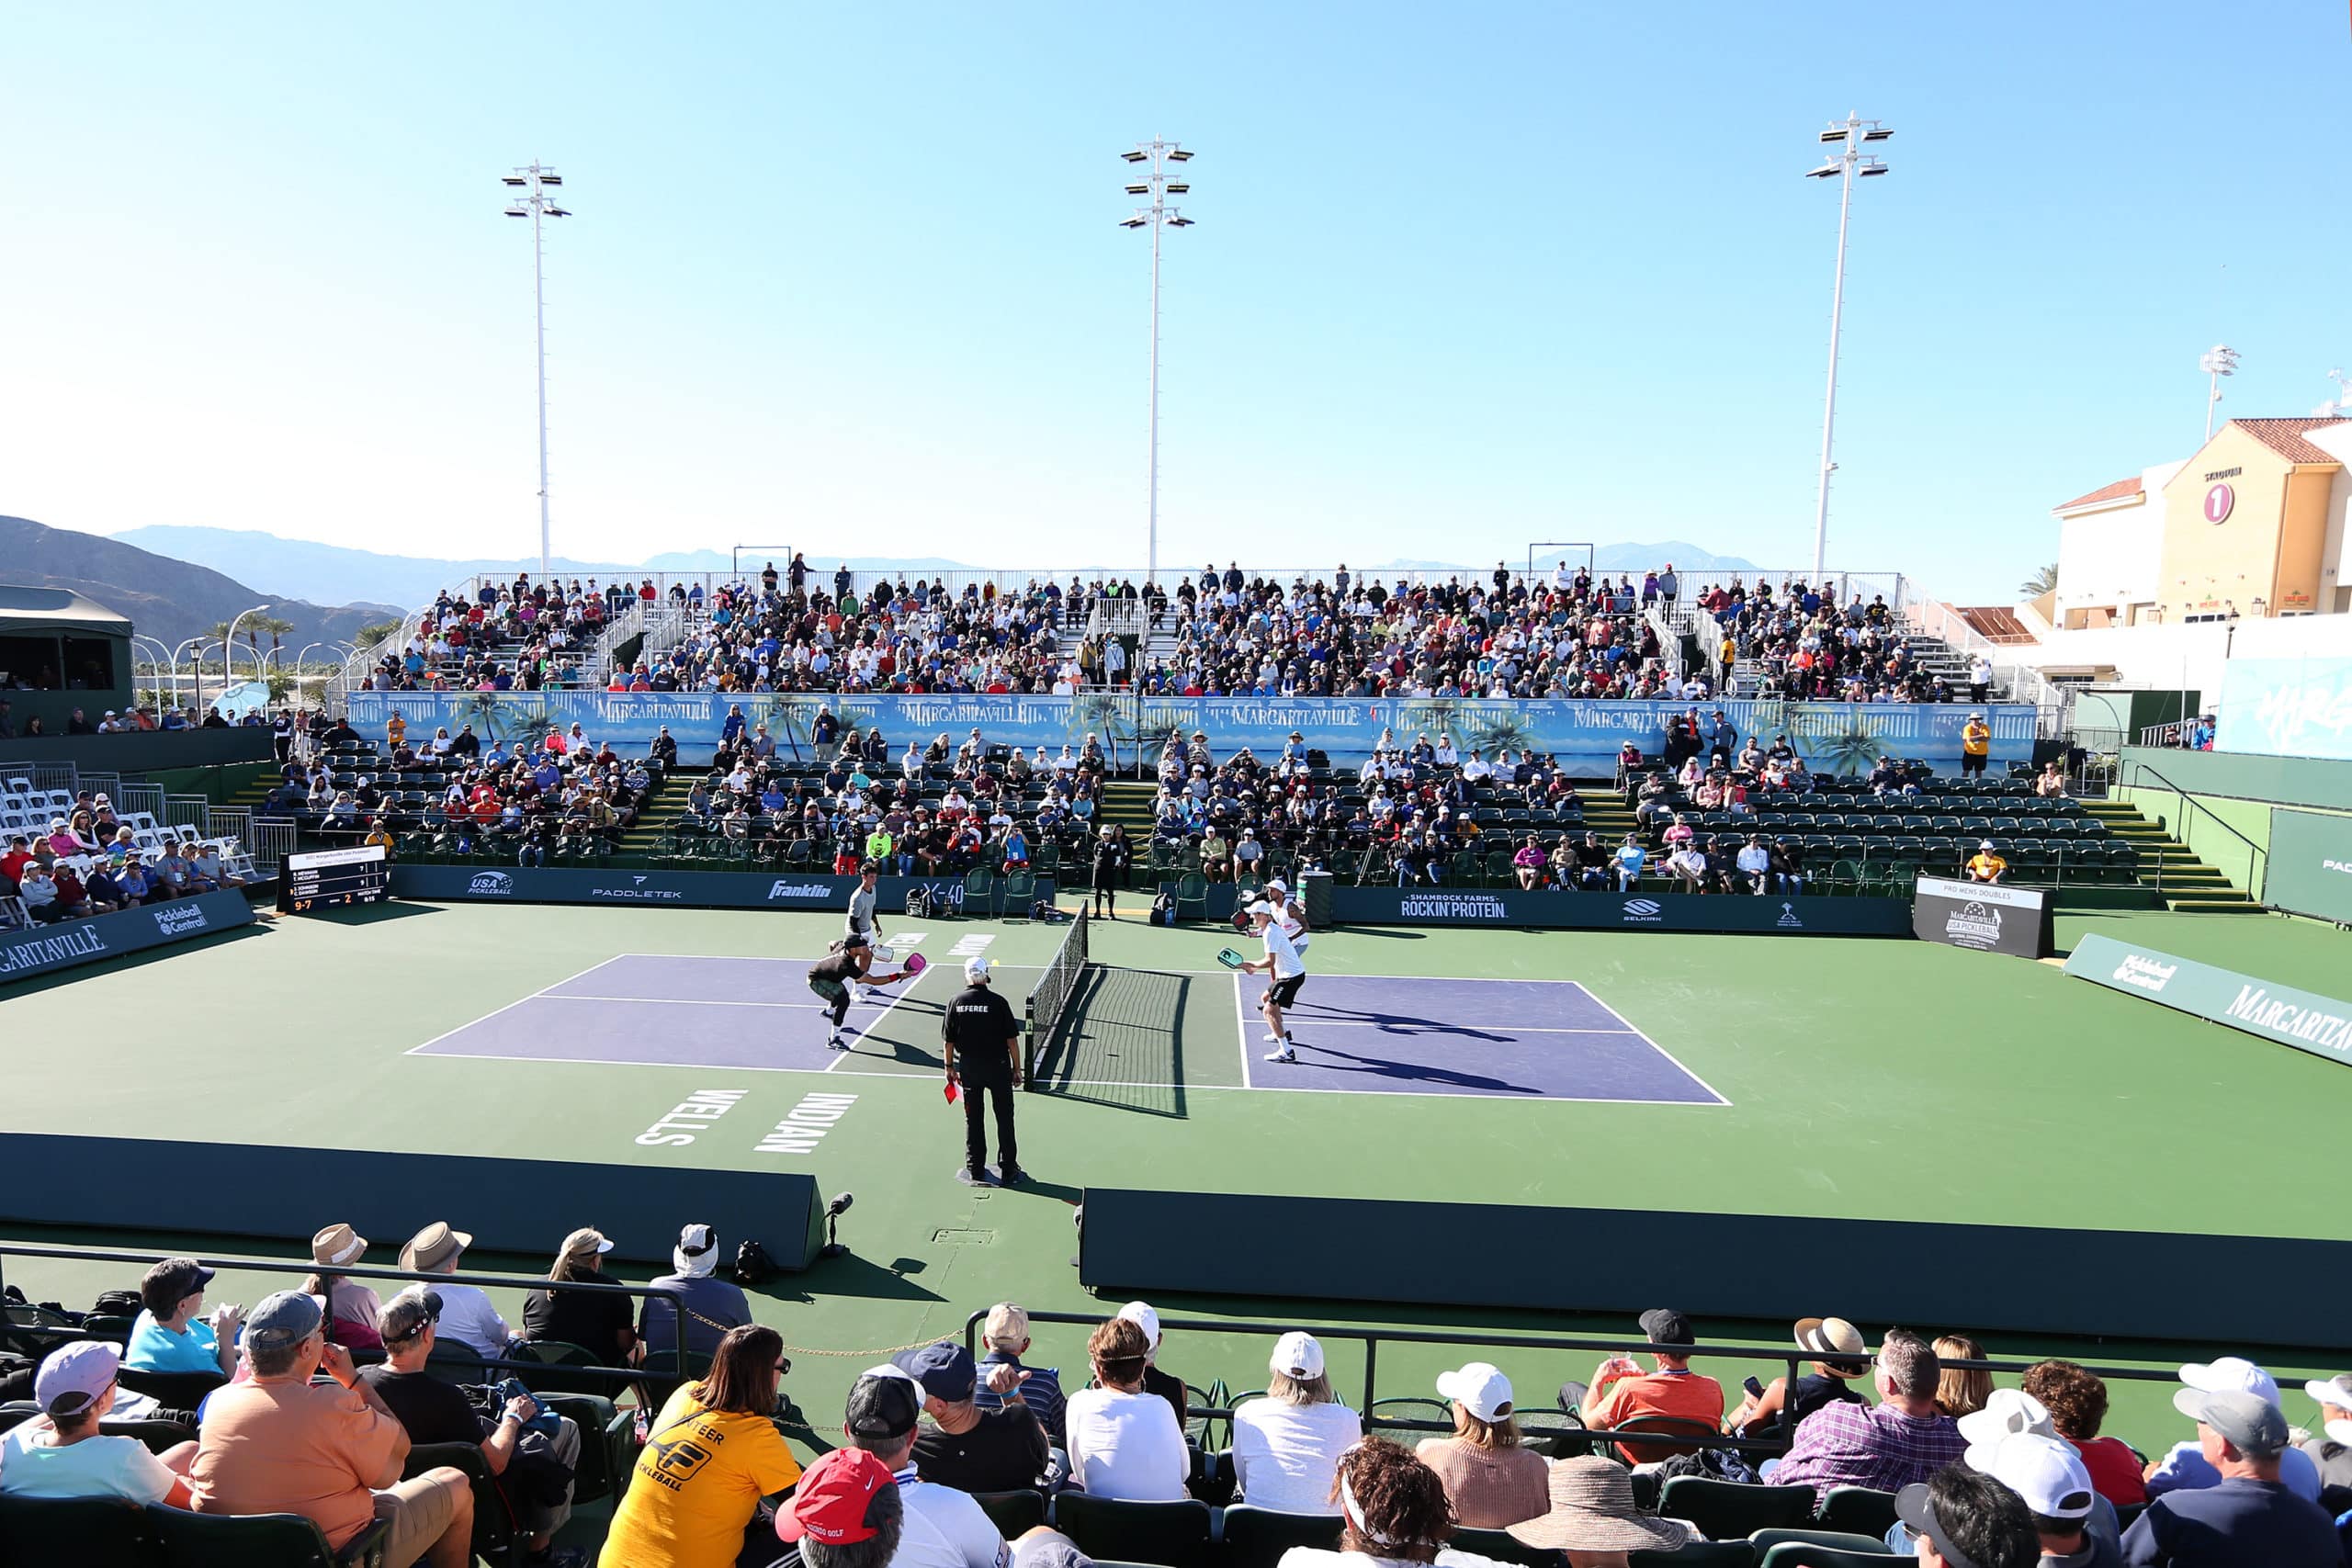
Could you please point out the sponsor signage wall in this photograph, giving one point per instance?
(1719, 913)
(2310, 866)
(1978, 915)
(1838, 738)
(2286, 708)
(2305, 1020)
(669, 889)
(47, 947)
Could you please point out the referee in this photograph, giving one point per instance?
(982, 1044)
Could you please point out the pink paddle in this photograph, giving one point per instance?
(916, 963)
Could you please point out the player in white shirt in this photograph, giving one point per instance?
(1290, 914)
(1289, 972)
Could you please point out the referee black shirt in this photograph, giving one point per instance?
(980, 1025)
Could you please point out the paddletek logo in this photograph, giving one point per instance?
(2145, 974)
(2342, 865)
(782, 889)
(1644, 913)
(490, 884)
(637, 892)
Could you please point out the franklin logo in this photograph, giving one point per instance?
(1643, 911)
(2145, 974)
(800, 890)
(490, 884)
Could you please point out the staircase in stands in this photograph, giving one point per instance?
(2186, 883)
(664, 807)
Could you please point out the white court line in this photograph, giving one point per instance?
(510, 1007)
(1422, 1026)
(1241, 1026)
(683, 1001)
(1721, 1098)
(896, 997)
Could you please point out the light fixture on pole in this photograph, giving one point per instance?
(1846, 165)
(531, 183)
(2217, 362)
(1148, 174)
(2339, 405)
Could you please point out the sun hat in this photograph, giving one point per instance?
(433, 1246)
(586, 1243)
(2336, 1391)
(1480, 1387)
(1296, 1355)
(1593, 1511)
(337, 1245)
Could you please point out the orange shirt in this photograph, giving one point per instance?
(1686, 1394)
(286, 1448)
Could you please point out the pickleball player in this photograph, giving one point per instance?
(981, 1041)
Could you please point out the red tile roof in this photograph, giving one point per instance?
(2285, 436)
(2115, 491)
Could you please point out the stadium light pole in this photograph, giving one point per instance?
(2217, 362)
(229, 651)
(1148, 175)
(533, 181)
(1846, 164)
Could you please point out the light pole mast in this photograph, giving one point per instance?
(1848, 165)
(2217, 362)
(535, 179)
(1157, 183)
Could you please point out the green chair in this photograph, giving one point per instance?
(1727, 1510)
(172, 1391)
(244, 1540)
(1019, 892)
(78, 1530)
(1412, 1407)
(561, 1355)
(1193, 896)
(663, 1374)
(1503, 1547)
(1767, 1542)
(1808, 1554)
(1698, 1554)
(981, 892)
(1257, 1538)
(1174, 1534)
(451, 1360)
(494, 1526)
(157, 1436)
(1013, 1513)
(606, 1432)
(1859, 1511)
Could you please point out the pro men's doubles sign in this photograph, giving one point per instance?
(1986, 917)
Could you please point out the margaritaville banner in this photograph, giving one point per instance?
(2308, 1022)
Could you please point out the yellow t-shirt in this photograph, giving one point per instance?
(696, 1483)
(1985, 867)
(1975, 739)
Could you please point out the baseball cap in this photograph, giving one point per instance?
(1261, 908)
(2250, 1422)
(694, 1241)
(1296, 1355)
(405, 1315)
(1480, 1387)
(1277, 886)
(833, 1505)
(2230, 1374)
(883, 1407)
(2336, 1391)
(1912, 1506)
(1144, 1316)
(1984, 844)
(284, 1318)
(74, 1375)
(2007, 1411)
(1665, 1327)
(2044, 1471)
(944, 1371)
(172, 1280)
(976, 971)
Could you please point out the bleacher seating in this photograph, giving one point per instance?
(94, 831)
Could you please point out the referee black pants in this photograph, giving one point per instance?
(976, 1133)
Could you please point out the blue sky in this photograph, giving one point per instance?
(850, 278)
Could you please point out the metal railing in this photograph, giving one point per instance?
(1499, 1346)
(2256, 856)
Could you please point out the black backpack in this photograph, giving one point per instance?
(1163, 909)
(753, 1264)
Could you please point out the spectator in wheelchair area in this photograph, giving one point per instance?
(167, 1336)
(279, 1443)
(713, 1305)
(967, 1447)
(1489, 1478)
(1288, 1443)
(60, 1453)
(945, 1527)
(432, 1410)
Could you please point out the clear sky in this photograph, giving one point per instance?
(849, 277)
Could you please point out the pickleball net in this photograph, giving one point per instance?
(1050, 997)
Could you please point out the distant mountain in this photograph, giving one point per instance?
(164, 598)
(331, 574)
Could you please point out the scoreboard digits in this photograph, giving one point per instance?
(331, 879)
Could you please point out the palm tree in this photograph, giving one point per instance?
(2044, 581)
(1109, 715)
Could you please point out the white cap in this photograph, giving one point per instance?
(1261, 908)
(976, 970)
(1296, 1355)
(1143, 1317)
(2006, 1411)
(2046, 1472)
(1984, 844)
(2231, 1375)
(1277, 886)
(2341, 1431)
(2336, 1391)
(1480, 1387)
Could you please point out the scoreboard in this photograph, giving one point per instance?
(328, 879)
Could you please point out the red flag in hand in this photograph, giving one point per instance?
(950, 1092)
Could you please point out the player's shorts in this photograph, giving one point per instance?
(832, 991)
(1282, 993)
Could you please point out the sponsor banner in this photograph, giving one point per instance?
(2309, 865)
(1978, 915)
(1836, 738)
(2305, 1020)
(668, 889)
(2286, 708)
(1686, 912)
(61, 946)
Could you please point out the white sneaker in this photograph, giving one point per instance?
(1285, 1054)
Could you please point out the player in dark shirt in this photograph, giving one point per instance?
(982, 1044)
(835, 977)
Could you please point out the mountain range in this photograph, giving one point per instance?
(338, 574)
(164, 598)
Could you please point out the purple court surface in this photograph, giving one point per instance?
(1507, 1039)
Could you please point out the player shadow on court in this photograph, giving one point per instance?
(1398, 1023)
(1415, 1072)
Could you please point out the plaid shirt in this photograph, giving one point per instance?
(1850, 1444)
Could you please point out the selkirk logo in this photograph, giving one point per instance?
(490, 884)
(1643, 911)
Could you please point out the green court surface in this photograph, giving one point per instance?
(1852, 1078)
